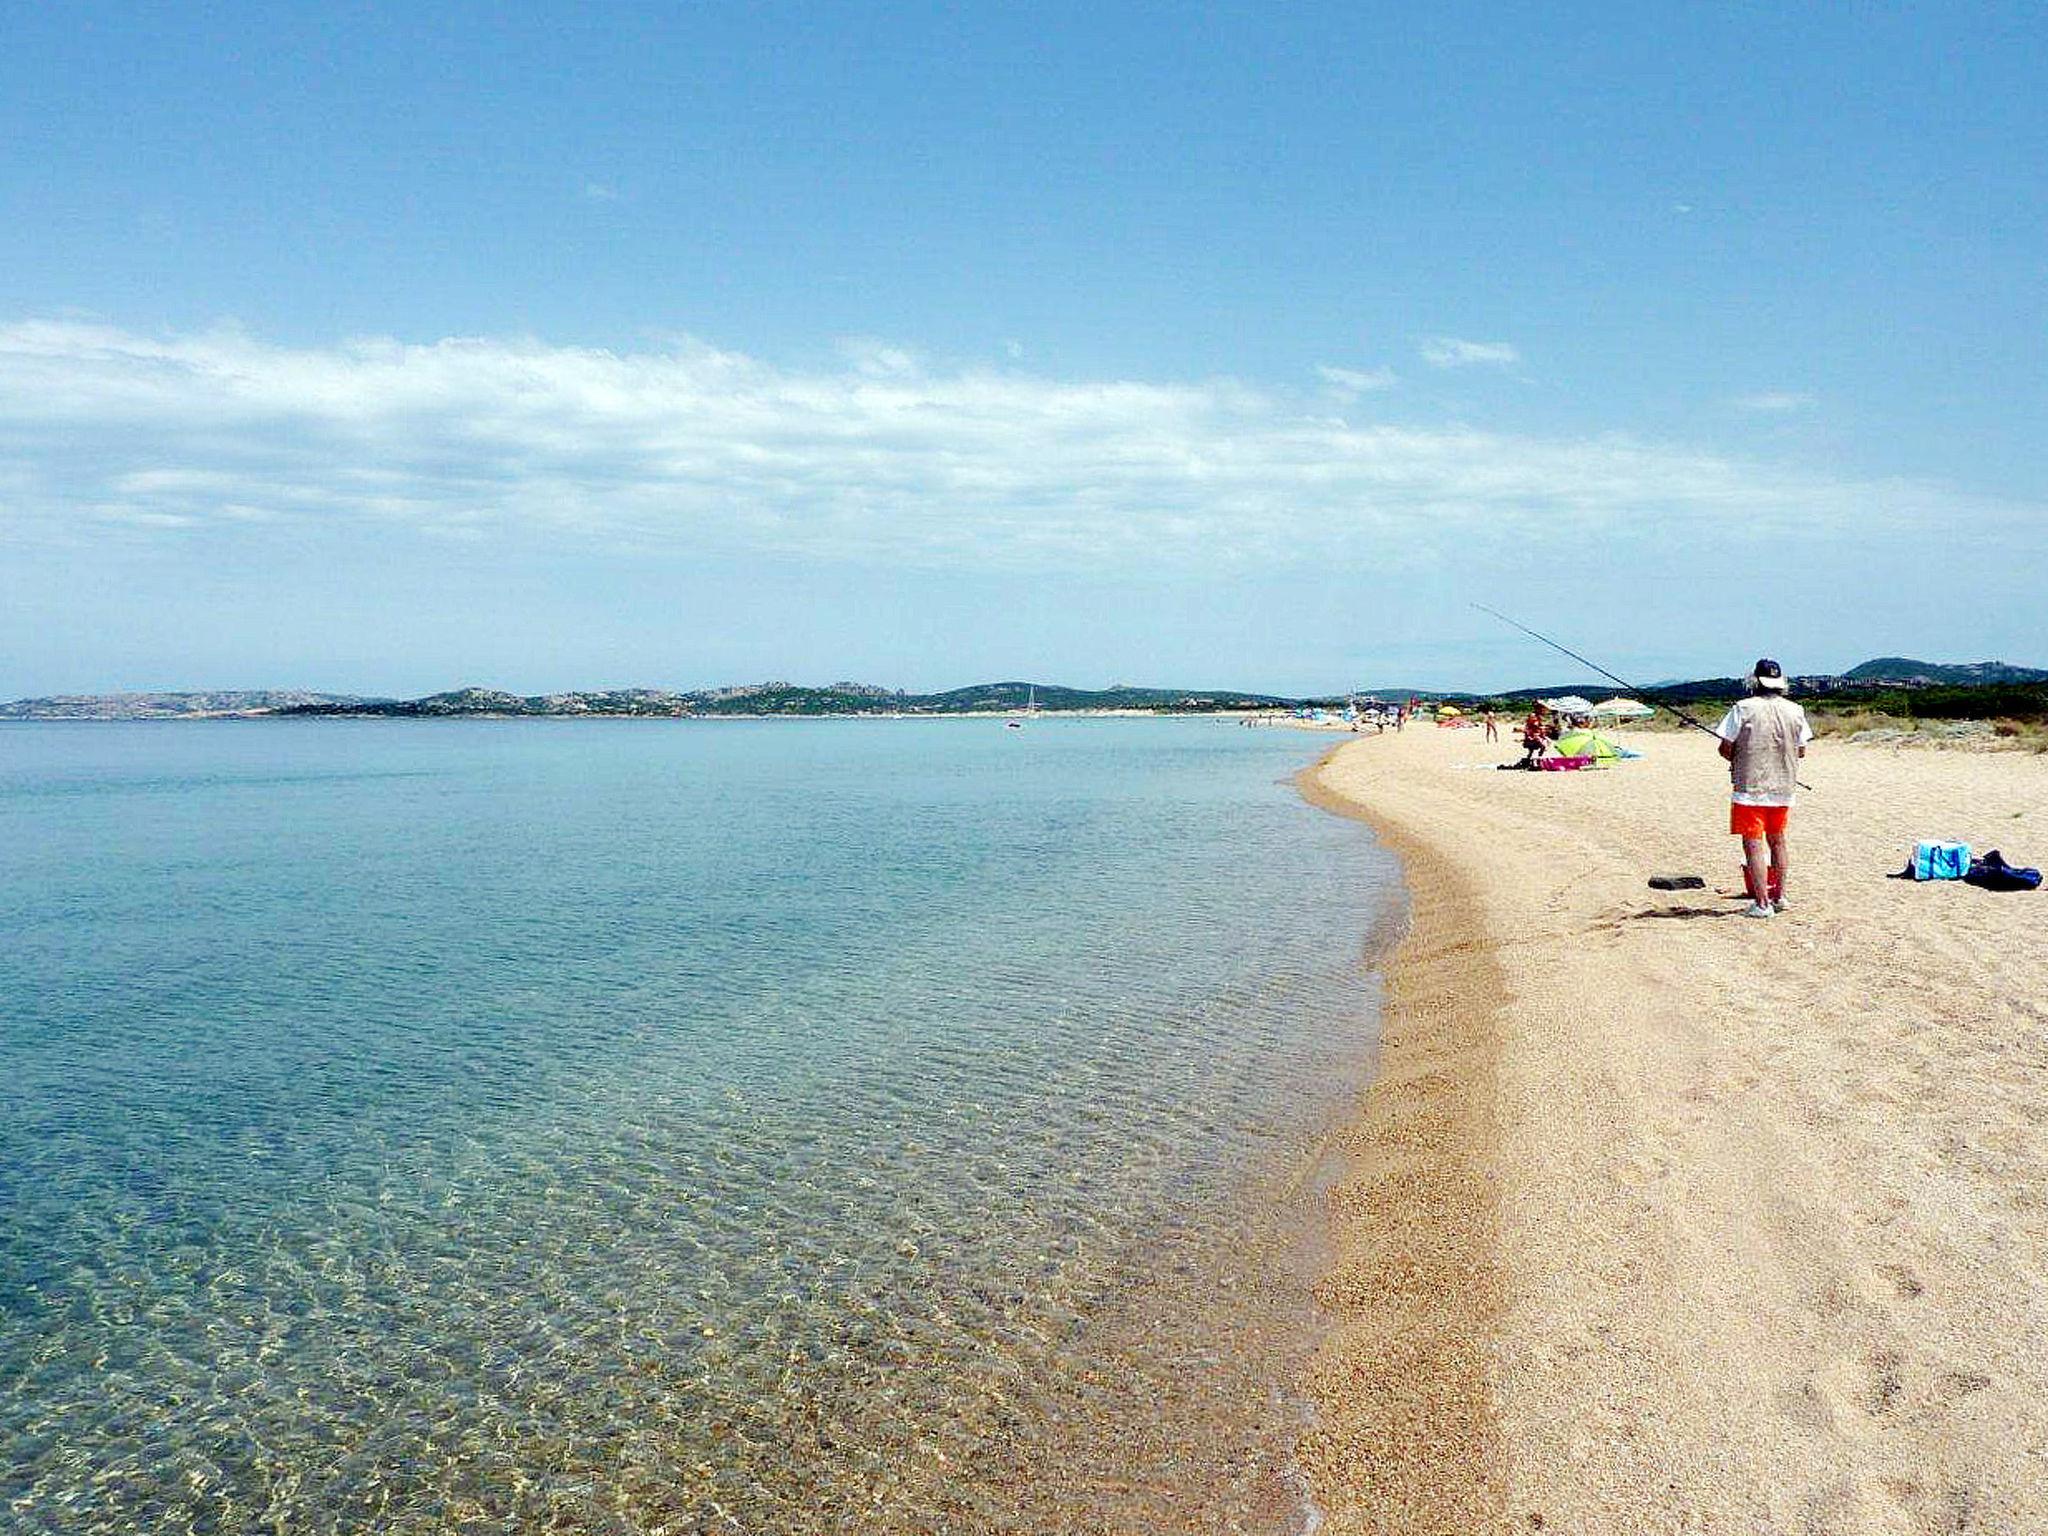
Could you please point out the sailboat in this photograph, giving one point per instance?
(1030, 708)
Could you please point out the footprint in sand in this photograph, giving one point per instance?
(1885, 1381)
(1956, 1385)
(1903, 1280)
(1850, 1392)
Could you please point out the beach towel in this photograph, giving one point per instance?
(1935, 860)
(1994, 874)
(1565, 764)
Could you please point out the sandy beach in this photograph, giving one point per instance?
(1662, 1219)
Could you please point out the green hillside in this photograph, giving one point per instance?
(1969, 674)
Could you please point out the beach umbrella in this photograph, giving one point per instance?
(1589, 744)
(1622, 709)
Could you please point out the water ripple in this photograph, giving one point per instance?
(645, 1131)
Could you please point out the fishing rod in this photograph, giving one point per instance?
(1625, 684)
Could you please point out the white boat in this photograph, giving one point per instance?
(1030, 708)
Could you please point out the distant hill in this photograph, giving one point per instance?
(1966, 674)
(1001, 696)
(1883, 672)
(784, 699)
(216, 704)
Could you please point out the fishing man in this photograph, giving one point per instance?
(1763, 737)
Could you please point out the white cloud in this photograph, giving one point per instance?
(600, 192)
(1450, 352)
(1775, 401)
(1349, 383)
(882, 457)
(878, 359)
(143, 519)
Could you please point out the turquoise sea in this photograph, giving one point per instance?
(666, 1127)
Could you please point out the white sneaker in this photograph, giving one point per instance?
(1757, 909)
(1782, 904)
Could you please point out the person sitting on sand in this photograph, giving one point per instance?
(1763, 737)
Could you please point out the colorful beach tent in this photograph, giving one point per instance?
(1622, 709)
(1589, 744)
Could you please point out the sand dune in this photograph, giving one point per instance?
(1664, 1219)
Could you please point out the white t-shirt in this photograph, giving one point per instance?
(1766, 762)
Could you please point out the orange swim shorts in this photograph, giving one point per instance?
(1757, 820)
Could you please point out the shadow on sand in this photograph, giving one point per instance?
(1684, 912)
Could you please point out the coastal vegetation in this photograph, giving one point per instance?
(794, 699)
(772, 699)
(1887, 699)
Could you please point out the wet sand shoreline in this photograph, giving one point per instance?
(1660, 1219)
(1406, 1423)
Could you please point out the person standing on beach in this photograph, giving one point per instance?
(1492, 727)
(1763, 737)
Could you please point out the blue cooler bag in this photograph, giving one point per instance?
(1940, 861)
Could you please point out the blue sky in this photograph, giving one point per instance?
(386, 348)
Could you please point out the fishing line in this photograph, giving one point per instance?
(1625, 684)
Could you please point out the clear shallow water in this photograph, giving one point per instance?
(624, 1126)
